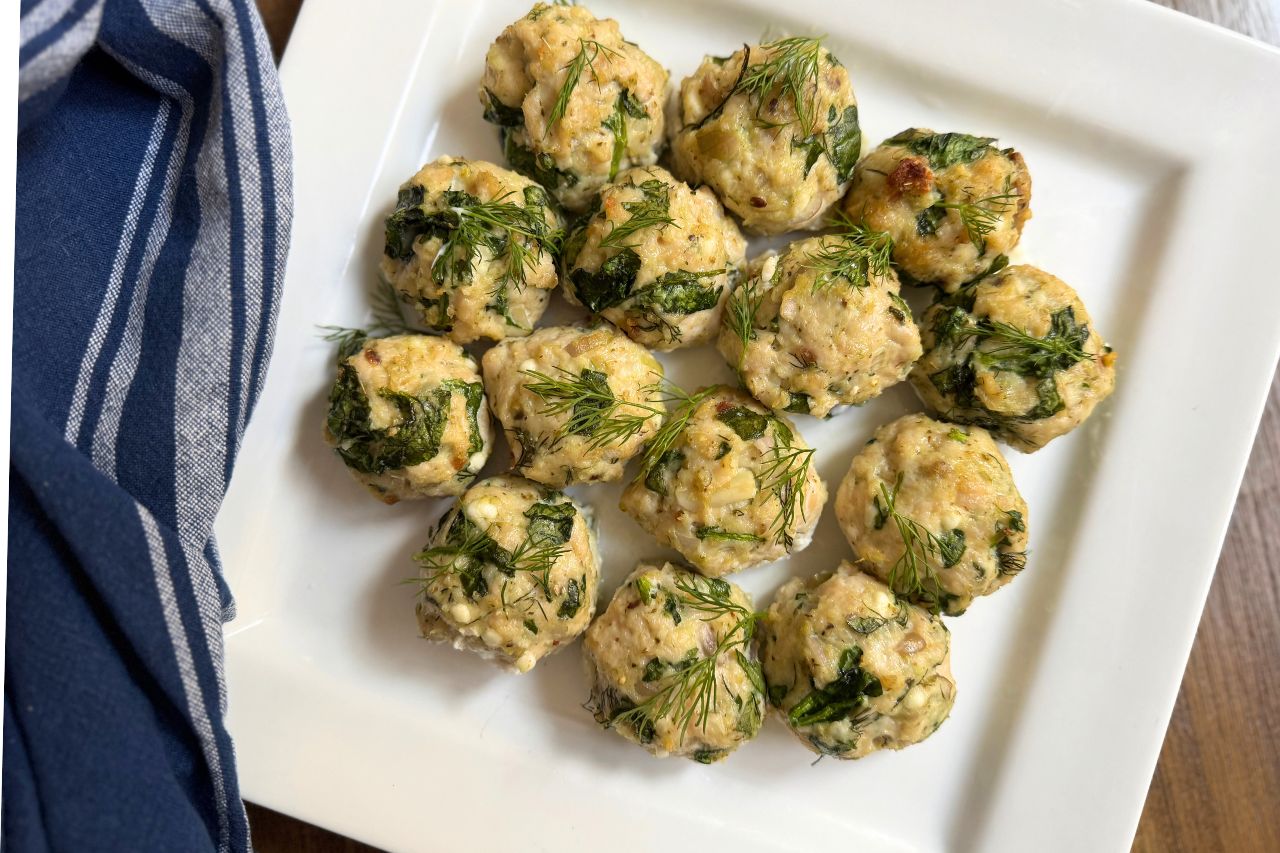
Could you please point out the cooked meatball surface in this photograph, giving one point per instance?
(853, 668)
(655, 258)
(576, 402)
(1015, 352)
(773, 129)
(821, 325)
(672, 664)
(952, 202)
(472, 247)
(729, 485)
(931, 509)
(407, 415)
(511, 572)
(576, 103)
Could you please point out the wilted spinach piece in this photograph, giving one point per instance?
(406, 223)
(540, 167)
(679, 292)
(747, 424)
(374, 451)
(798, 403)
(473, 393)
(709, 756)
(589, 411)
(844, 142)
(672, 608)
(927, 220)
(572, 598)
(943, 149)
(496, 112)
(841, 698)
(659, 477)
(610, 285)
(550, 523)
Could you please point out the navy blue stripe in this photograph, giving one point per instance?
(262, 351)
(153, 199)
(37, 45)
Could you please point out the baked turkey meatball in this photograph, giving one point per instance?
(407, 415)
(853, 668)
(511, 572)
(655, 258)
(472, 246)
(952, 202)
(672, 664)
(773, 129)
(576, 402)
(576, 103)
(932, 510)
(728, 484)
(821, 325)
(1015, 352)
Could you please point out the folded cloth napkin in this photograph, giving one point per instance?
(153, 205)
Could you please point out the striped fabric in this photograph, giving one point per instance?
(153, 205)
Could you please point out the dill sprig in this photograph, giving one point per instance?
(689, 692)
(791, 70)
(467, 551)
(676, 421)
(740, 313)
(652, 209)
(913, 574)
(589, 51)
(387, 319)
(784, 473)
(855, 253)
(593, 409)
(1017, 351)
(519, 233)
(982, 216)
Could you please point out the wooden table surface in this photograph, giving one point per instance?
(1217, 786)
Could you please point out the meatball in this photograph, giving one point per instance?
(932, 510)
(575, 102)
(821, 325)
(728, 484)
(576, 403)
(511, 573)
(852, 668)
(407, 415)
(952, 202)
(773, 129)
(655, 258)
(672, 664)
(1015, 353)
(472, 246)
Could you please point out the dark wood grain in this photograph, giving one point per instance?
(1217, 786)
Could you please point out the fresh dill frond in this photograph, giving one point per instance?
(673, 426)
(518, 233)
(740, 313)
(855, 253)
(790, 71)
(387, 319)
(593, 409)
(1017, 351)
(913, 574)
(784, 474)
(652, 209)
(589, 51)
(688, 689)
(982, 216)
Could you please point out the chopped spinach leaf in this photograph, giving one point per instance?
(747, 424)
(496, 112)
(842, 698)
(610, 285)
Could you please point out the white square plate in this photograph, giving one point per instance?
(1152, 142)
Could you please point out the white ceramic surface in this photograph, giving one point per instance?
(1151, 139)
